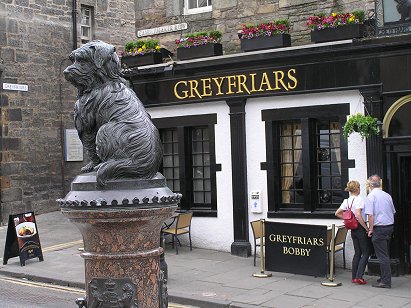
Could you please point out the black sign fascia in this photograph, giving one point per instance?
(301, 78)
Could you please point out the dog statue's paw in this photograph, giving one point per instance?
(89, 167)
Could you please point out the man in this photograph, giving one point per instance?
(380, 210)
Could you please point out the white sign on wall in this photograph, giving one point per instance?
(15, 87)
(73, 148)
(163, 29)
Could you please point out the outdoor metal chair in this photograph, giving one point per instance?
(256, 226)
(339, 242)
(182, 226)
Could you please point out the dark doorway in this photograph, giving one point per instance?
(405, 204)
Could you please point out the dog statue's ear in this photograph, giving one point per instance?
(101, 54)
(98, 58)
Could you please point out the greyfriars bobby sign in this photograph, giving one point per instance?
(296, 248)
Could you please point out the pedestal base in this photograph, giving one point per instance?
(121, 239)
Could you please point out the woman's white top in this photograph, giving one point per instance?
(357, 203)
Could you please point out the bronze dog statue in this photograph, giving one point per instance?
(112, 123)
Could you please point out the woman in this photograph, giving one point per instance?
(359, 236)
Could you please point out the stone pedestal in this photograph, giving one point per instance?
(121, 227)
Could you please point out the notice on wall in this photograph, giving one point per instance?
(73, 148)
(22, 238)
(296, 248)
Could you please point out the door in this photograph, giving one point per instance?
(405, 203)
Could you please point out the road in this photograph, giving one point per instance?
(22, 293)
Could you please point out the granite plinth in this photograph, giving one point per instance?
(121, 241)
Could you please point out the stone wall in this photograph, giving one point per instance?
(34, 49)
(228, 16)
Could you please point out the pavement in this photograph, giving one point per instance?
(206, 278)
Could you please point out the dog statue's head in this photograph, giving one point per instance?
(94, 64)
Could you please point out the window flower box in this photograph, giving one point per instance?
(268, 35)
(142, 52)
(340, 33)
(141, 60)
(207, 50)
(337, 26)
(199, 45)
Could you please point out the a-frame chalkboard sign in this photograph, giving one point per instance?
(22, 238)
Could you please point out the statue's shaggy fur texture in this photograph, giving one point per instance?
(115, 129)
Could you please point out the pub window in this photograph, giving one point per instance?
(189, 161)
(86, 24)
(197, 6)
(309, 160)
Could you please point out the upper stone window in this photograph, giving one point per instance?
(197, 6)
(86, 24)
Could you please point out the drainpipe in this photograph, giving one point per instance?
(74, 17)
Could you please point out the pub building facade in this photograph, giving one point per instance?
(271, 122)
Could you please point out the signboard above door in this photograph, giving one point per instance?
(393, 17)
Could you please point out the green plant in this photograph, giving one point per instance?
(365, 125)
(264, 29)
(141, 47)
(199, 38)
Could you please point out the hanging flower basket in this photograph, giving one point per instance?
(199, 45)
(365, 125)
(337, 26)
(267, 35)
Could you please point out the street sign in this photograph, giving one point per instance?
(15, 87)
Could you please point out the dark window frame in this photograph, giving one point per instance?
(91, 26)
(184, 125)
(308, 117)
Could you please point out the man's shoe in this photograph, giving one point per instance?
(381, 285)
(379, 280)
(355, 280)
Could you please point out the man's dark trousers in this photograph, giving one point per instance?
(381, 241)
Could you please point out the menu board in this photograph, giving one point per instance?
(22, 238)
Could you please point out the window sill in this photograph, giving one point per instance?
(301, 214)
(204, 213)
(198, 10)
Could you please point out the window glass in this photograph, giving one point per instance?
(328, 163)
(169, 139)
(400, 124)
(306, 160)
(290, 161)
(197, 6)
(192, 4)
(189, 172)
(86, 24)
(201, 164)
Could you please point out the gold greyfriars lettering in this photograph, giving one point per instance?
(280, 80)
